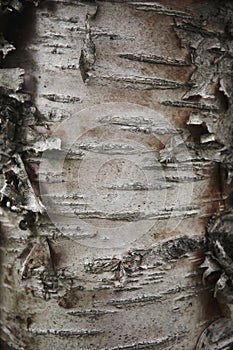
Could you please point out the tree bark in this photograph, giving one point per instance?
(116, 153)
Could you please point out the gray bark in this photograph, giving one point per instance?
(116, 152)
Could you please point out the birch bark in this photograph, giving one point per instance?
(116, 152)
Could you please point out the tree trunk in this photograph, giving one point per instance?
(116, 153)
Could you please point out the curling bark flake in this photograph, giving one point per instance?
(108, 251)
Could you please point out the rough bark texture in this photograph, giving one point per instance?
(105, 206)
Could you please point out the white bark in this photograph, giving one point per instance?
(114, 264)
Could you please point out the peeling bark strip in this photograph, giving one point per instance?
(88, 55)
(159, 158)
